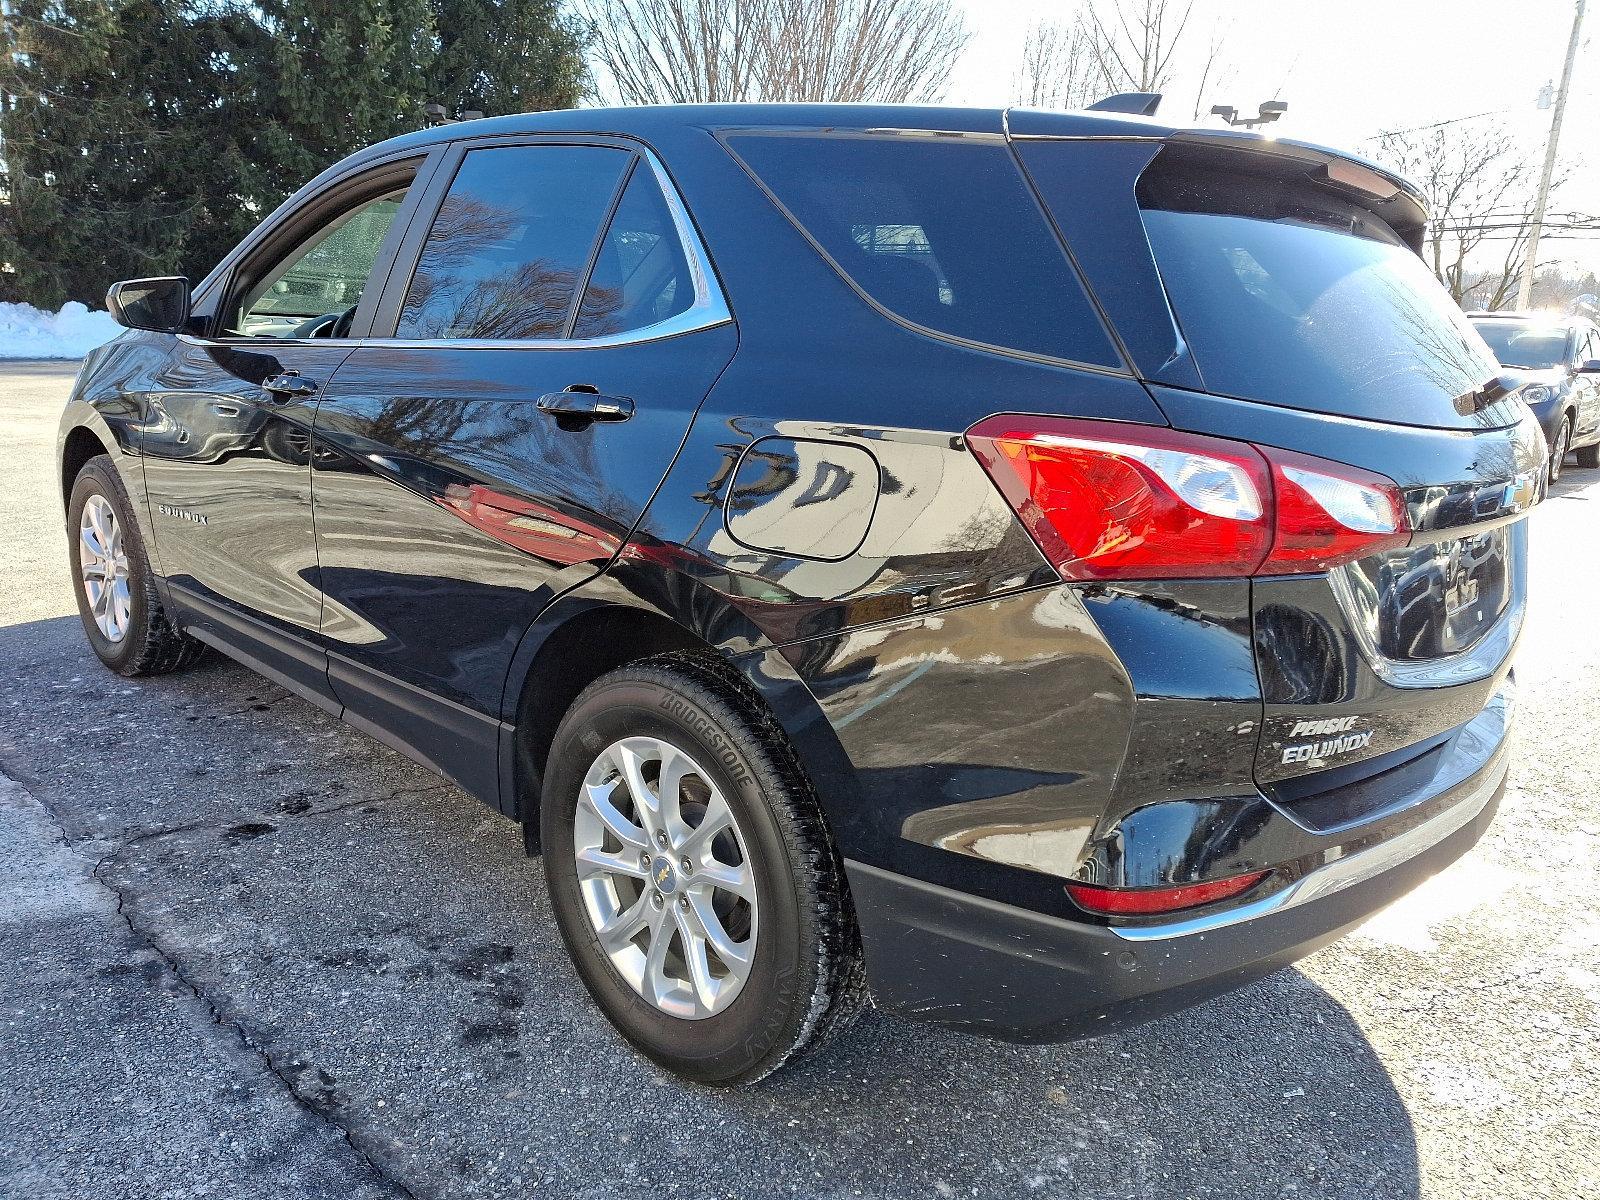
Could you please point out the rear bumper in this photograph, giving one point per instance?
(966, 962)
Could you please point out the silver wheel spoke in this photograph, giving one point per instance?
(694, 952)
(598, 798)
(684, 898)
(730, 879)
(620, 931)
(697, 844)
(658, 987)
(593, 861)
(103, 569)
(675, 768)
(645, 800)
(734, 955)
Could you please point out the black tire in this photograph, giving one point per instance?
(152, 643)
(806, 979)
(1589, 457)
(1558, 451)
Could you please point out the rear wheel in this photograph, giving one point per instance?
(1558, 451)
(691, 874)
(123, 617)
(1589, 457)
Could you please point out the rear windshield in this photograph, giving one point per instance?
(1290, 295)
(943, 233)
(1524, 344)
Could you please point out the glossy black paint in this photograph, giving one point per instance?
(451, 509)
(423, 546)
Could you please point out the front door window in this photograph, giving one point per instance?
(315, 290)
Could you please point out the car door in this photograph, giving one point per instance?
(1587, 385)
(550, 332)
(227, 451)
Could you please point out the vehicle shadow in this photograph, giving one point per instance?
(381, 937)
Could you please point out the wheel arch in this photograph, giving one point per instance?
(625, 615)
(79, 444)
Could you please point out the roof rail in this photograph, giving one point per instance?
(1140, 104)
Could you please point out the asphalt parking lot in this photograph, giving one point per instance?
(245, 951)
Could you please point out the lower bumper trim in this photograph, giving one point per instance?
(970, 963)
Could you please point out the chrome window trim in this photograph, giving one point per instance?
(710, 307)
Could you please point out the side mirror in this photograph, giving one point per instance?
(1589, 367)
(160, 305)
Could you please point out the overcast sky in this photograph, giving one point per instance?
(1353, 68)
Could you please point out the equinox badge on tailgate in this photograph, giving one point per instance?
(1328, 747)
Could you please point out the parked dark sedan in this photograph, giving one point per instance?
(1039, 570)
(1557, 362)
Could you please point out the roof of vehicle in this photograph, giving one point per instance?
(646, 121)
(1512, 314)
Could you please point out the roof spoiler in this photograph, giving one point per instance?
(1139, 104)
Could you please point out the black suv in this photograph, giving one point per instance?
(1037, 569)
(1556, 360)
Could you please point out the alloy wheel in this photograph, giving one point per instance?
(1558, 456)
(103, 568)
(666, 879)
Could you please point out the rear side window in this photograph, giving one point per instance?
(641, 276)
(508, 250)
(943, 233)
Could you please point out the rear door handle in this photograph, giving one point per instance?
(586, 406)
(291, 385)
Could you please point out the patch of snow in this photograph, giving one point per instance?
(28, 332)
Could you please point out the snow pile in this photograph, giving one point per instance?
(28, 332)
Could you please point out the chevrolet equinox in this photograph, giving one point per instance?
(1035, 570)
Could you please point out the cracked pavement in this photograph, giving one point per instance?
(245, 951)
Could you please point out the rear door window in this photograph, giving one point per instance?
(641, 274)
(1291, 295)
(510, 246)
(942, 232)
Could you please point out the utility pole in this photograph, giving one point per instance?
(1525, 291)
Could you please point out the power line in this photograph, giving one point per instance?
(1496, 112)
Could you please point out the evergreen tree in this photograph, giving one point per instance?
(344, 74)
(122, 150)
(146, 137)
(505, 56)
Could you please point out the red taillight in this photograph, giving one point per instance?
(1107, 500)
(1143, 902)
(1328, 513)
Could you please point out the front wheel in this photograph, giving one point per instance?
(692, 876)
(123, 617)
(1558, 452)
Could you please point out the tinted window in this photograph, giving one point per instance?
(326, 275)
(1525, 344)
(508, 249)
(641, 276)
(943, 233)
(1299, 298)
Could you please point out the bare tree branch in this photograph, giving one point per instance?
(1477, 181)
(705, 51)
(1134, 45)
(1059, 68)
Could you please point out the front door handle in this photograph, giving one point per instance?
(585, 406)
(291, 385)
